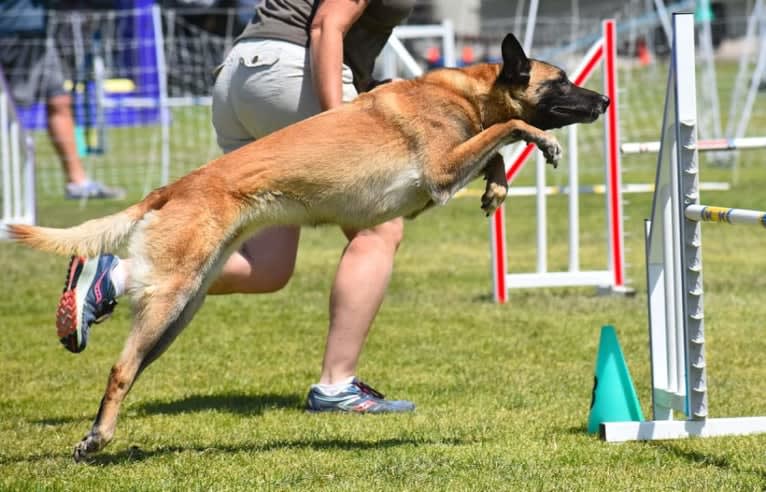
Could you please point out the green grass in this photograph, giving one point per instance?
(502, 391)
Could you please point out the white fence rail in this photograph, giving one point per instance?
(17, 190)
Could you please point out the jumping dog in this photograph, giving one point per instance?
(395, 151)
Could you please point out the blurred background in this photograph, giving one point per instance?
(140, 72)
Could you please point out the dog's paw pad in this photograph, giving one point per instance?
(552, 151)
(85, 448)
(493, 197)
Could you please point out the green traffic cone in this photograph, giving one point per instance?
(79, 138)
(614, 396)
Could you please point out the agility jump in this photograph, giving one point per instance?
(613, 277)
(674, 270)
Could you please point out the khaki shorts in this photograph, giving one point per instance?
(262, 86)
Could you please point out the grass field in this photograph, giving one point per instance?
(502, 391)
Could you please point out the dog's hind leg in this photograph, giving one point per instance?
(153, 331)
(162, 308)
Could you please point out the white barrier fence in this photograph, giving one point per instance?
(674, 270)
(17, 190)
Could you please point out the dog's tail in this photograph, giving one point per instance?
(90, 238)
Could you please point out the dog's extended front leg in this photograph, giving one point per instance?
(466, 161)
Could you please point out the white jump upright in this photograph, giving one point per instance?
(613, 277)
(674, 270)
(396, 56)
(17, 186)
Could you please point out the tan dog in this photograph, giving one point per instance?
(392, 152)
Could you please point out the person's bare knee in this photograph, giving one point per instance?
(387, 235)
(271, 256)
(269, 274)
(263, 264)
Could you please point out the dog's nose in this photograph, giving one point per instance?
(604, 103)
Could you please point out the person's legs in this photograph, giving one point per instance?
(48, 73)
(360, 284)
(357, 293)
(61, 132)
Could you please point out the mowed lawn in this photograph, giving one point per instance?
(502, 391)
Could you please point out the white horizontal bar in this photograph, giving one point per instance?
(679, 429)
(135, 102)
(423, 31)
(590, 189)
(734, 216)
(702, 145)
(559, 279)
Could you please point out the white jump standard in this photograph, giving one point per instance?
(17, 165)
(674, 270)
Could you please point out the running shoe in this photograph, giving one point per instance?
(357, 397)
(94, 190)
(88, 298)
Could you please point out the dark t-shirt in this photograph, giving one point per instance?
(289, 20)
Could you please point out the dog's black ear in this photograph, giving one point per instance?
(516, 65)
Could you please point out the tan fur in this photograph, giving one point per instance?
(392, 152)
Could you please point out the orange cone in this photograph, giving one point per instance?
(644, 57)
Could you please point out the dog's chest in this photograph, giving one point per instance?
(404, 185)
(378, 197)
(401, 191)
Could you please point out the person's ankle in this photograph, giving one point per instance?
(334, 388)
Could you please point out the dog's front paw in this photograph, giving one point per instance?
(551, 150)
(493, 197)
(84, 449)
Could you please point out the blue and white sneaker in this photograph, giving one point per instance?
(356, 398)
(93, 189)
(88, 297)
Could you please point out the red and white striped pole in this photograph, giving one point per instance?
(612, 153)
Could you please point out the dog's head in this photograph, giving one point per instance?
(542, 94)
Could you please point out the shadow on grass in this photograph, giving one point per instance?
(135, 454)
(56, 421)
(694, 457)
(576, 430)
(706, 459)
(232, 403)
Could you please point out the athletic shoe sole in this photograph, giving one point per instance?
(68, 323)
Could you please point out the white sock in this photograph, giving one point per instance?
(119, 277)
(333, 389)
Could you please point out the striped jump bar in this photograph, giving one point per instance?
(704, 213)
(702, 145)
